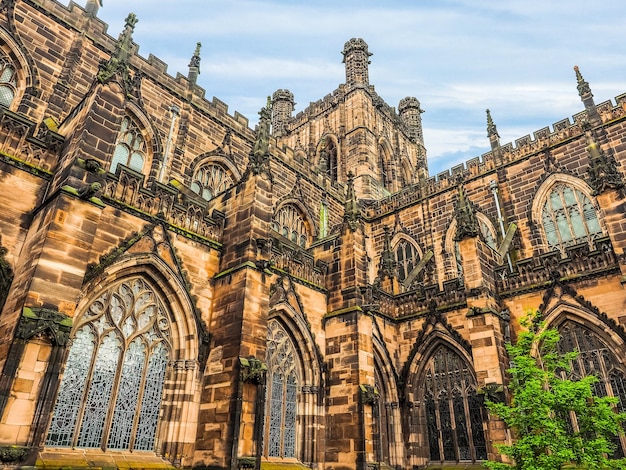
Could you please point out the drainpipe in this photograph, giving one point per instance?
(494, 188)
(175, 110)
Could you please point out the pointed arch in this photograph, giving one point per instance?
(407, 254)
(133, 350)
(385, 164)
(23, 74)
(292, 220)
(328, 156)
(212, 173)
(565, 209)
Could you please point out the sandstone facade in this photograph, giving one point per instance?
(178, 290)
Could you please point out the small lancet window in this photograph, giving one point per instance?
(130, 149)
(569, 217)
(407, 258)
(8, 81)
(210, 180)
(291, 225)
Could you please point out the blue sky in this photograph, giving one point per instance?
(458, 57)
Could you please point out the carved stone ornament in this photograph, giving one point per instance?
(369, 394)
(603, 173)
(387, 259)
(352, 213)
(35, 321)
(252, 370)
(466, 222)
(260, 155)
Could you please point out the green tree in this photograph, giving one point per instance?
(556, 422)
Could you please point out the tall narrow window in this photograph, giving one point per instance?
(8, 81)
(569, 218)
(487, 234)
(130, 149)
(110, 394)
(595, 358)
(328, 158)
(407, 257)
(282, 393)
(290, 224)
(210, 180)
(454, 412)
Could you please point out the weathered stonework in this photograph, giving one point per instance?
(320, 300)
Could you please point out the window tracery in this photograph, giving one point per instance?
(487, 234)
(130, 148)
(210, 180)
(454, 411)
(290, 224)
(407, 258)
(568, 217)
(110, 393)
(283, 379)
(8, 81)
(328, 159)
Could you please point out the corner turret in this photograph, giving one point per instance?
(356, 57)
(282, 107)
(411, 114)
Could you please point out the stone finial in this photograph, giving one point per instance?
(603, 172)
(92, 6)
(282, 107)
(118, 63)
(356, 57)
(194, 65)
(259, 156)
(466, 222)
(584, 91)
(388, 263)
(492, 132)
(352, 213)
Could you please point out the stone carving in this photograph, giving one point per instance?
(603, 173)
(466, 222)
(369, 394)
(252, 370)
(35, 321)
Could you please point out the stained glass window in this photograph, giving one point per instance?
(454, 411)
(130, 149)
(110, 393)
(569, 217)
(211, 179)
(8, 81)
(290, 224)
(282, 404)
(594, 358)
(407, 257)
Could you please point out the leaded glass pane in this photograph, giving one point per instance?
(130, 149)
(212, 179)
(462, 437)
(127, 396)
(114, 394)
(407, 258)
(6, 95)
(282, 404)
(293, 226)
(99, 396)
(476, 422)
(66, 410)
(136, 161)
(432, 429)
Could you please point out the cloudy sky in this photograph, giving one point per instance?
(458, 57)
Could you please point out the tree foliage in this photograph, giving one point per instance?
(556, 422)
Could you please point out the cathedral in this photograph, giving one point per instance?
(178, 290)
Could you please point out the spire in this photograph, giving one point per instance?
(118, 63)
(466, 222)
(259, 157)
(492, 132)
(584, 91)
(387, 260)
(352, 213)
(194, 65)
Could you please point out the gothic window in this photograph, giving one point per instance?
(454, 411)
(568, 217)
(283, 380)
(380, 421)
(130, 149)
(210, 180)
(407, 257)
(487, 234)
(110, 394)
(594, 358)
(8, 81)
(290, 224)
(328, 159)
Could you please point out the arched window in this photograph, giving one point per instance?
(407, 258)
(110, 394)
(283, 381)
(328, 158)
(487, 234)
(594, 358)
(290, 224)
(210, 180)
(8, 81)
(382, 430)
(568, 217)
(130, 149)
(454, 411)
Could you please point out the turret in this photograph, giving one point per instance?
(282, 107)
(411, 114)
(356, 57)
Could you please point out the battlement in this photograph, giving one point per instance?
(542, 139)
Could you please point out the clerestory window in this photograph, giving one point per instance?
(8, 81)
(130, 149)
(210, 180)
(283, 381)
(407, 258)
(110, 394)
(454, 411)
(290, 224)
(569, 217)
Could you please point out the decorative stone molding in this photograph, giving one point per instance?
(35, 321)
(253, 370)
(369, 394)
